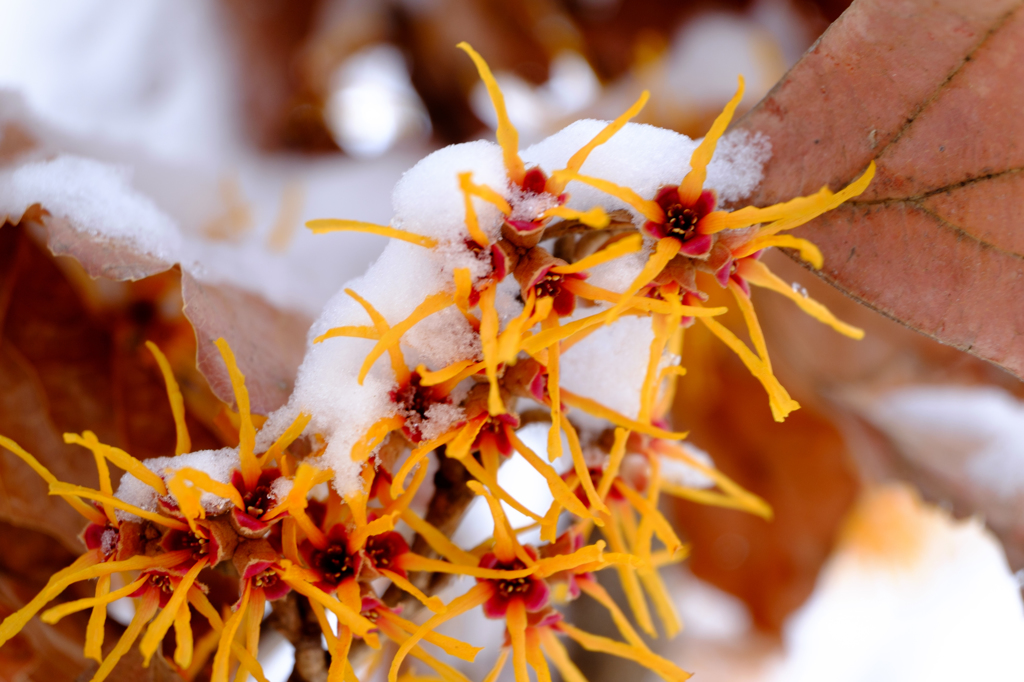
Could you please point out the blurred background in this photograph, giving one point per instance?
(898, 543)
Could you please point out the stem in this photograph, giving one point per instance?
(293, 618)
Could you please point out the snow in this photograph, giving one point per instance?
(618, 274)
(440, 418)
(530, 206)
(645, 159)
(943, 606)
(218, 464)
(97, 198)
(609, 365)
(639, 156)
(737, 167)
(280, 488)
(682, 474)
(959, 429)
(395, 285)
(441, 339)
(428, 201)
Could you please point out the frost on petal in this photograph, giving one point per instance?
(440, 418)
(280, 488)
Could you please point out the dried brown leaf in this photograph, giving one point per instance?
(269, 343)
(931, 92)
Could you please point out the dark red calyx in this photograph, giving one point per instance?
(162, 582)
(384, 550)
(198, 545)
(259, 498)
(268, 579)
(334, 563)
(532, 591)
(549, 285)
(535, 181)
(681, 220)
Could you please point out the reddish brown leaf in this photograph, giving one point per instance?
(931, 91)
(269, 342)
(101, 257)
(71, 360)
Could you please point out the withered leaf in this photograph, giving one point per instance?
(930, 91)
(268, 342)
(71, 361)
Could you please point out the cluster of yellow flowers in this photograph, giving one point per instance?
(274, 535)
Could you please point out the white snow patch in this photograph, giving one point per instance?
(218, 464)
(682, 474)
(959, 428)
(953, 612)
(645, 159)
(439, 419)
(609, 365)
(94, 197)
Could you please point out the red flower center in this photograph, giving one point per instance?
(681, 221)
(257, 501)
(530, 590)
(260, 498)
(161, 582)
(414, 400)
(265, 580)
(513, 587)
(199, 545)
(383, 550)
(177, 540)
(549, 285)
(334, 563)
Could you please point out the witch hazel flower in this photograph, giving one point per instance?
(687, 225)
(168, 522)
(167, 549)
(514, 583)
(514, 288)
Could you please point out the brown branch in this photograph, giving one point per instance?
(293, 618)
